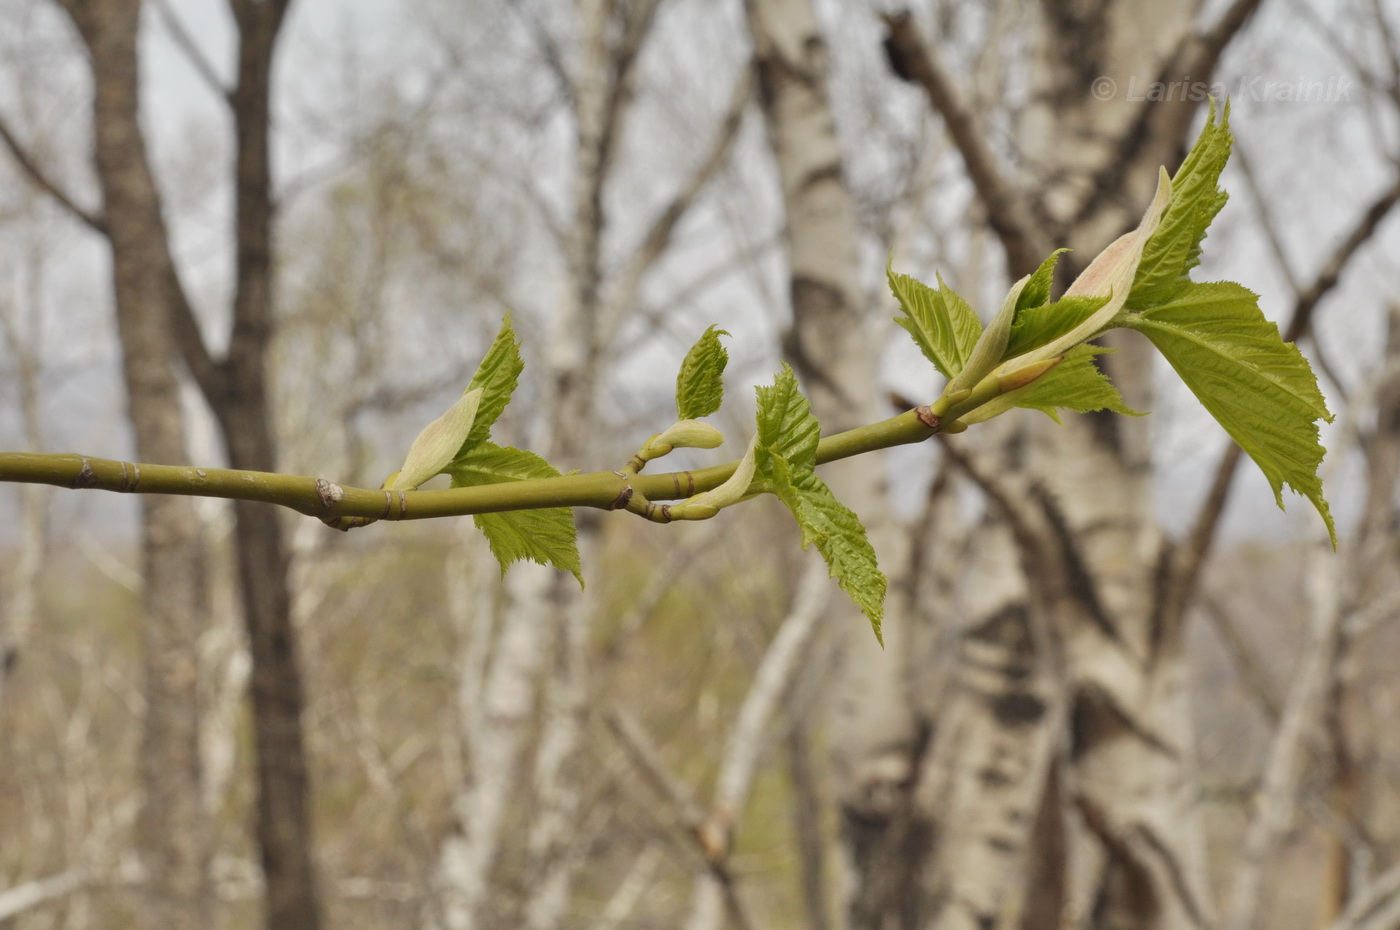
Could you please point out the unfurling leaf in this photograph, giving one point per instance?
(700, 384)
(496, 376)
(1175, 248)
(684, 434)
(1258, 387)
(787, 440)
(706, 504)
(1074, 384)
(944, 327)
(990, 350)
(1110, 275)
(546, 536)
(1037, 326)
(1036, 293)
(438, 443)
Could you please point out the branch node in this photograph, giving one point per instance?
(689, 483)
(130, 479)
(329, 492)
(623, 498)
(86, 478)
(928, 417)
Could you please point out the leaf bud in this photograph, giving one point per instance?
(706, 504)
(438, 444)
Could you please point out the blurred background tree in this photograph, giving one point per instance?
(1158, 705)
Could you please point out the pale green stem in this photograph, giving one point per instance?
(333, 503)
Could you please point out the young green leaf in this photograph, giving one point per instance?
(1175, 248)
(1111, 275)
(990, 350)
(700, 384)
(1258, 387)
(1036, 293)
(496, 376)
(944, 327)
(786, 427)
(545, 536)
(787, 440)
(1039, 325)
(1074, 384)
(840, 538)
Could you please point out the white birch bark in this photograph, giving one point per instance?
(774, 678)
(829, 345)
(493, 740)
(544, 627)
(1136, 851)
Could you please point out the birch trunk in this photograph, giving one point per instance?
(829, 344)
(1136, 853)
(543, 625)
(172, 834)
(1054, 779)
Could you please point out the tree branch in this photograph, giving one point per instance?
(1196, 56)
(658, 236)
(344, 506)
(1301, 714)
(1014, 227)
(1378, 908)
(640, 749)
(30, 167)
(198, 60)
(15, 901)
(1252, 674)
(781, 662)
(1200, 53)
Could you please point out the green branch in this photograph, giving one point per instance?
(334, 503)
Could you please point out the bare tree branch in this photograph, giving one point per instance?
(644, 755)
(1267, 223)
(1015, 503)
(1197, 55)
(624, 900)
(1202, 51)
(1301, 322)
(26, 162)
(187, 44)
(1329, 596)
(15, 901)
(1252, 675)
(781, 663)
(1014, 227)
(1378, 908)
(659, 234)
(554, 58)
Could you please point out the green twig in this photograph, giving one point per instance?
(343, 506)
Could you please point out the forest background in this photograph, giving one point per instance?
(1120, 689)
